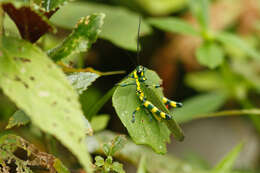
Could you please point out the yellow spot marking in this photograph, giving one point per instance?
(154, 110)
(173, 104)
(138, 108)
(146, 104)
(163, 114)
(164, 100)
(135, 75)
(142, 73)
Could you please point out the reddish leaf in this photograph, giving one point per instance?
(31, 24)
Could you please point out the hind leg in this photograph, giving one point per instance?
(133, 114)
(171, 103)
(126, 84)
(153, 85)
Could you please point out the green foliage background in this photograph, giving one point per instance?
(61, 64)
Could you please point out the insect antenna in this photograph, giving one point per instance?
(133, 62)
(138, 41)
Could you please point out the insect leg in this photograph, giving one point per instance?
(153, 85)
(126, 84)
(154, 110)
(171, 103)
(133, 115)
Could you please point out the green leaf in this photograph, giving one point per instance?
(226, 164)
(172, 24)
(120, 26)
(1, 20)
(19, 118)
(99, 122)
(106, 149)
(143, 131)
(80, 81)
(118, 167)
(99, 104)
(210, 54)
(82, 37)
(201, 104)
(155, 96)
(235, 41)
(200, 10)
(162, 7)
(205, 81)
(38, 87)
(132, 153)
(248, 70)
(50, 5)
(142, 165)
(99, 161)
(117, 144)
(59, 167)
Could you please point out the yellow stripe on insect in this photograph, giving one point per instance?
(173, 104)
(154, 109)
(164, 100)
(146, 103)
(135, 75)
(163, 115)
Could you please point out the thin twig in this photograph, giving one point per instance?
(231, 113)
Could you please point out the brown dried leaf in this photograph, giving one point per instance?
(31, 24)
(14, 149)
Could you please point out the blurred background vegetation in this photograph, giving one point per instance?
(207, 56)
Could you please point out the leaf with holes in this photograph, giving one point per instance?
(11, 144)
(81, 38)
(38, 87)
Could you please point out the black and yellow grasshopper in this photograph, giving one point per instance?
(138, 77)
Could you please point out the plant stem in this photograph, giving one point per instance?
(255, 112)
(68, 69)
(246, 103)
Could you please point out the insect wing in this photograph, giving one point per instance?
(155, 97)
